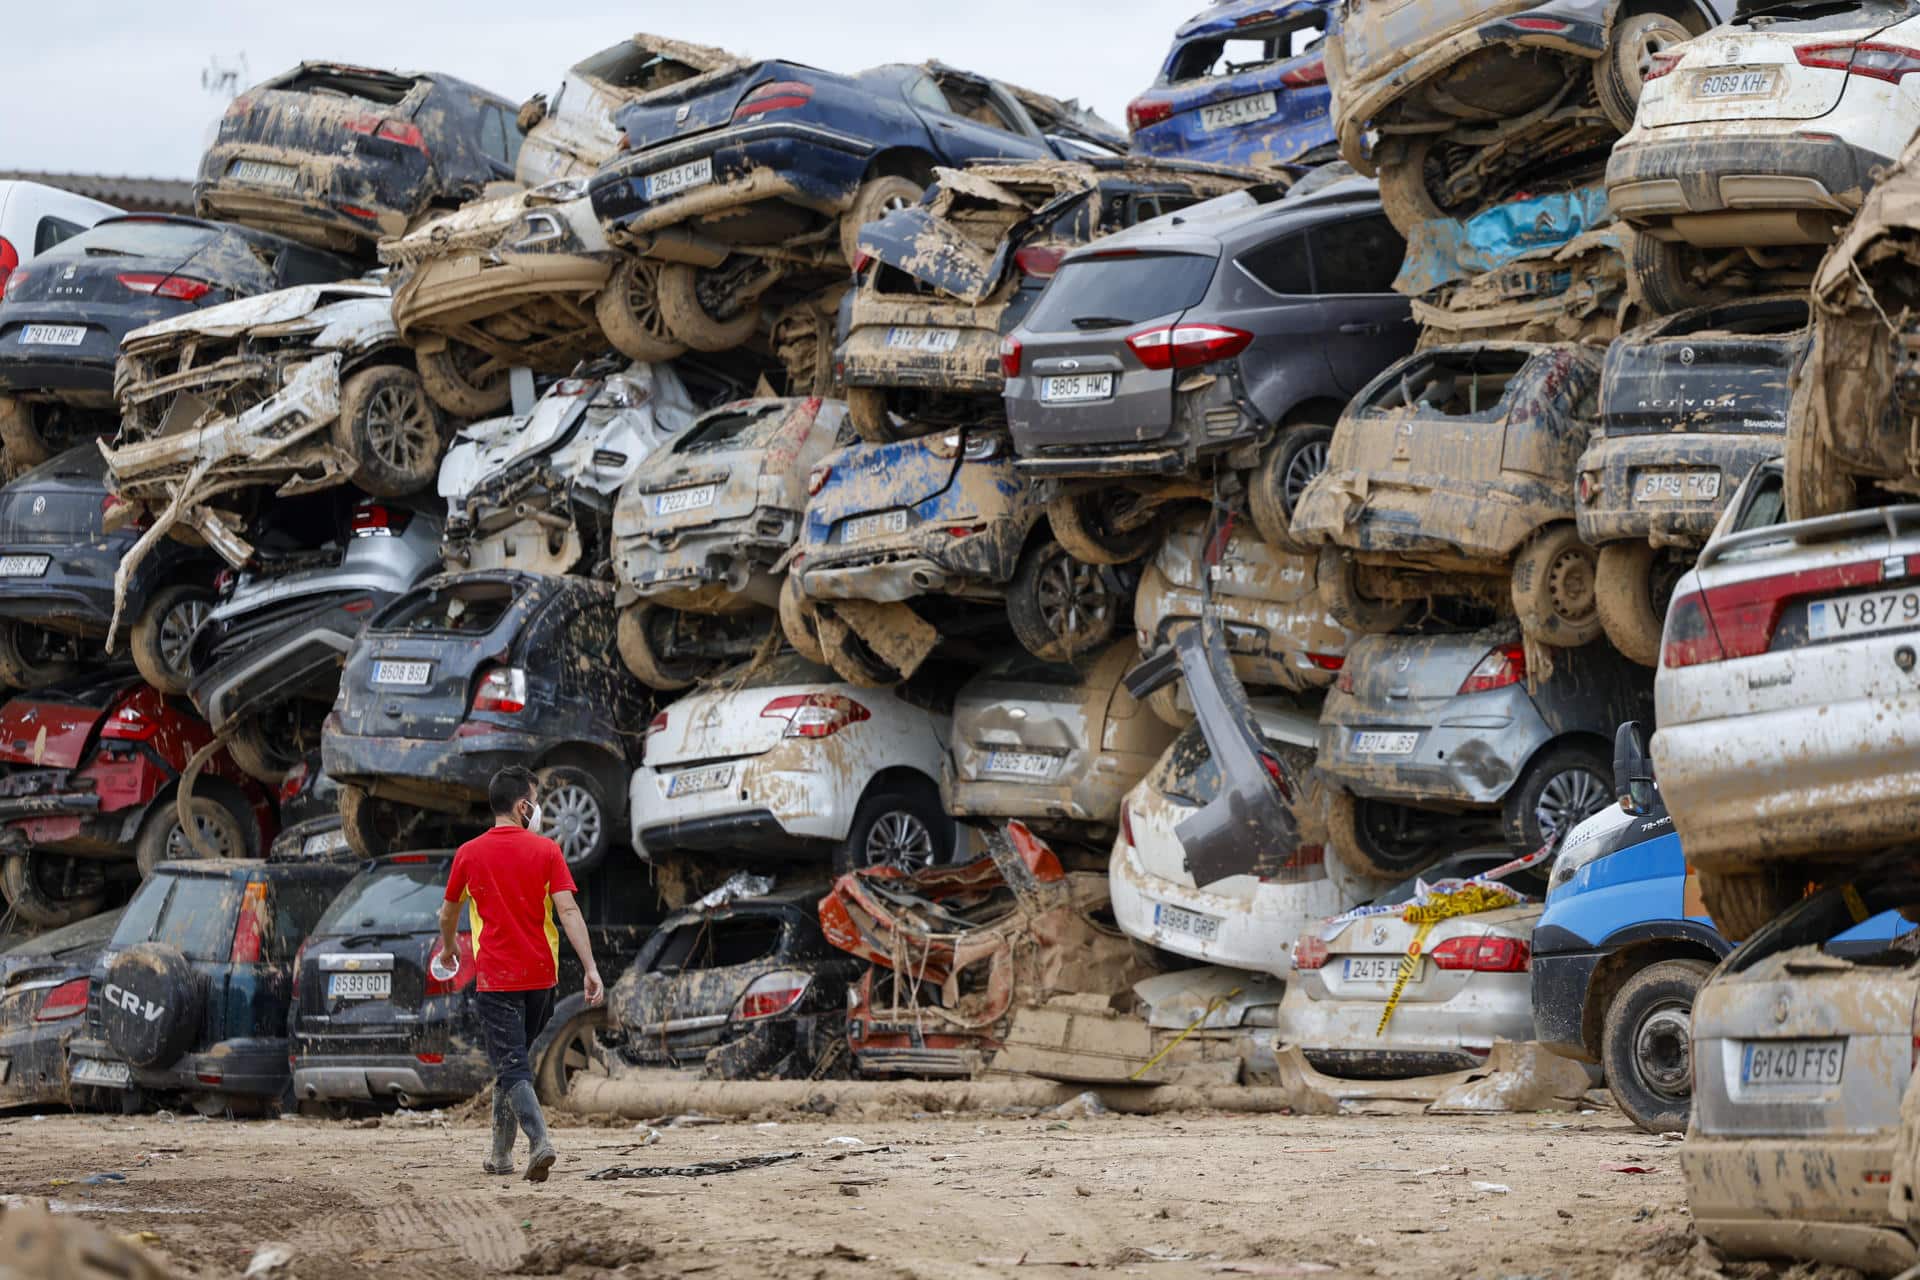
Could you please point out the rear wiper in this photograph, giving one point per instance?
(355, 939)
(96, 251)
(1099, 322)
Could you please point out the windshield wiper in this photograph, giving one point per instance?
(1100, 322)
(355, 939)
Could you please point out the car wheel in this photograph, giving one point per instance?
(1814, 483)
(20, 437)
(568, 1055)
(1404, 197)
(1553, 588)
(162, 839)
(390, 427)
(903, 827)
(1339, 581)
(1646, 1047)
(374, 827)
(162, 633)
(1563, 788)
(573, 814)
(1165, 703)
(1061, 608)
(850, 657)
(867, 410)
(1664, 271)
(1620, 72)
(33, 657)
(1287, 467)
(876, 198)
(1106, 525)
(260, 752)
(646, 635)
(629, 312)
(47, 890)
(1742, 902)
(691, 321)
(797, 620)
(1378, 838)
(1632, 589)
(464, 380)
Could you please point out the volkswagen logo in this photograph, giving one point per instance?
(1780, 1008)
(39, 506)
(1686, 355)
(1379, 934)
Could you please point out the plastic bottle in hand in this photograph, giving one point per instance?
(443, 966)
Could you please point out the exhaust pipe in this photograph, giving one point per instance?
(927, 580)
(677, 244)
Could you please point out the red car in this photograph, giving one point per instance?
(88, 770)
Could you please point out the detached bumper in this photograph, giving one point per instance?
(1614, 468)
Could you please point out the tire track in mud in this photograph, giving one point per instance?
(472, 1225)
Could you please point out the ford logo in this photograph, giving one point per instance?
(1069, 364)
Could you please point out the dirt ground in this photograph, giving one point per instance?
(1377, 1193)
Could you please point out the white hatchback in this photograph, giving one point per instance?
(35, 217)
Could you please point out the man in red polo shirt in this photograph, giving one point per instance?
(518, 883)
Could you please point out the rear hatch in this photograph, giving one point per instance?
(700, 105)
(1392, 680)
(679, 998)
(44, 978)
(1363, 959)
(57, 504)
(54, 728)
(1457, 430)
(1031, 722)
(873, 478)
(326, 110)
(737, 718)
(712, 472)
(363, 984)
(1723, 368)
(413, 672)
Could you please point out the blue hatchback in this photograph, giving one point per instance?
(1244, 84)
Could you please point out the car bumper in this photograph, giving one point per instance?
(472, 286)
(711, 568)
(1092, 798)
(973, 366)
(977, 565)
(448, 774)
(378, 1077)
(1560, 986)
(1147, 464)
(253, 1065)
(1820, 1198)
(1615, 466)
(1254, 932)
(272, 668)
(1342, 1036)
(35, 1062)
(1471, 753)
(1484, 525)
(312, 210)
(75, 594)
(806, 165)
(780, 805)
(1653, 179)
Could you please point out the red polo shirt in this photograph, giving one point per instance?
(511, 875)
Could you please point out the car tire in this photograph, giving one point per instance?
(876, 198)
(1359, 831)
(47, 890)
(1813, 484)
(1404, 198)
(851, 659)
(688, 319)
(1646, 1046)
(1663, 272)
(1742, 902)
(867, 411)
(446, 373)
(1082, 522)
(574, 814)
(798, 623)
(251, 744)
(1287, 465)
(30, 657)
(374, 827)
(1338, 578)
(1633, 585)
(1619, 73)
(1060, 607)
(566, 1056)
(390, 427)
(902, 819)
(20, 439)
(1164, 702)
(640, 635)
(629, 312)
(1564, 786)
(162, 633)
(162, 839)
(1553, 588)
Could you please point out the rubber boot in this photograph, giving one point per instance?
(501, 1161)
(526, 1105)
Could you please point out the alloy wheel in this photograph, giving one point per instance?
(899, 839)
(177, 628)
(1301, 469)
(571, 818)
(181, 849)
(1568, 799)
(1074, 599)
(400, 428)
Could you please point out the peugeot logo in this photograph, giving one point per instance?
(1686, 355)
(1780, 1008)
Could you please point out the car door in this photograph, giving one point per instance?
(1366, 325)
(499, 140)
(968, 119)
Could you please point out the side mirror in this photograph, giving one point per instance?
(1633, 770)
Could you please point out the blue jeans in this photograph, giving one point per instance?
(509, 1022)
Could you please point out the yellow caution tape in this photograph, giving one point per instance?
(1213, 1006)
(1855, 903)
(1470, 899)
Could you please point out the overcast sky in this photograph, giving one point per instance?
(113, 86)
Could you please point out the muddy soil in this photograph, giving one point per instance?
(1380, 1192)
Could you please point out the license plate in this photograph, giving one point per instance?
(1372, 968)
(1677, 486)
(1863, 615)
(111, 1075)
(264, 174)
(324, 845)
(1237, 111)
(902, 338)
(407, 673)
(24, 566)
(1193, 923)
(1076, 386)
(862, 527)
(53, 335)
(359, 986)
(682, 177)
(1733, 84)
(679, 500)
(1031, 764)
(1370, 743)
(693, 781)
(1781, 1062)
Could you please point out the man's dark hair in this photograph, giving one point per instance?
(509, 787)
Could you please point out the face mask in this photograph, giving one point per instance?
(533, 817)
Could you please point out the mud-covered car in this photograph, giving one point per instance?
(1227, 338)
(309, 815)
(339, 156)
(1051, 744)
(1471, 100)
(749, 989)
(44, 982)
(1244, 83)
(64, 314)
(1277, 625)
(536, 491)
(1452, 476)
(191, 997)
(90, 784)
(700, 529)
(470, 672)
(1689, 405)
(1575, 289)
(757, 178)
(265, 661)
(941, 282)
(1427, 741)
(57, 567)
(937, 516)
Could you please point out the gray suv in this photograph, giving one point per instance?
(1228, 335)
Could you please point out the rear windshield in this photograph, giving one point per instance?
(1247, 48)
(1458, 384)
(465, 608)
(400, 899)
(74, 937)
(1774, 316)
(719, 944)
(733, 429)
(1819, 15)
(194, 913)
(137, 237)
(1106, 292)
(338, 82)
(1028, 669)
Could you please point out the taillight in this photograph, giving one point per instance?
(295, 779)
(251, 928)
(129, 723)
(818, 477)
(13, 283)
(1039, 261)
(1887, 62)
(1586, 488)
(372, 520)
(775, 95)
(1345, 683)
(1504, 666)
(1010, 352)
(462, 977)
(974, 446)
(1278, 772)
(1486, 954)
(815, 715)
(9, 259)
(1539, 24)
(1737, 620)
(1126, 825)
(1183, 346)
(772, 994)
(502, 689)
(64, 1001)
(156, 284)
(1329, 662)
(1310, 953)
(1661, 64)
(1305, 76)
(658, 724)
(861, 261)
(1688, 639)
(407, 135)
(1142, 112)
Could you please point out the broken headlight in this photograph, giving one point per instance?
(974, 447)
(538, 228)
(559, 191)
(622, 392)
